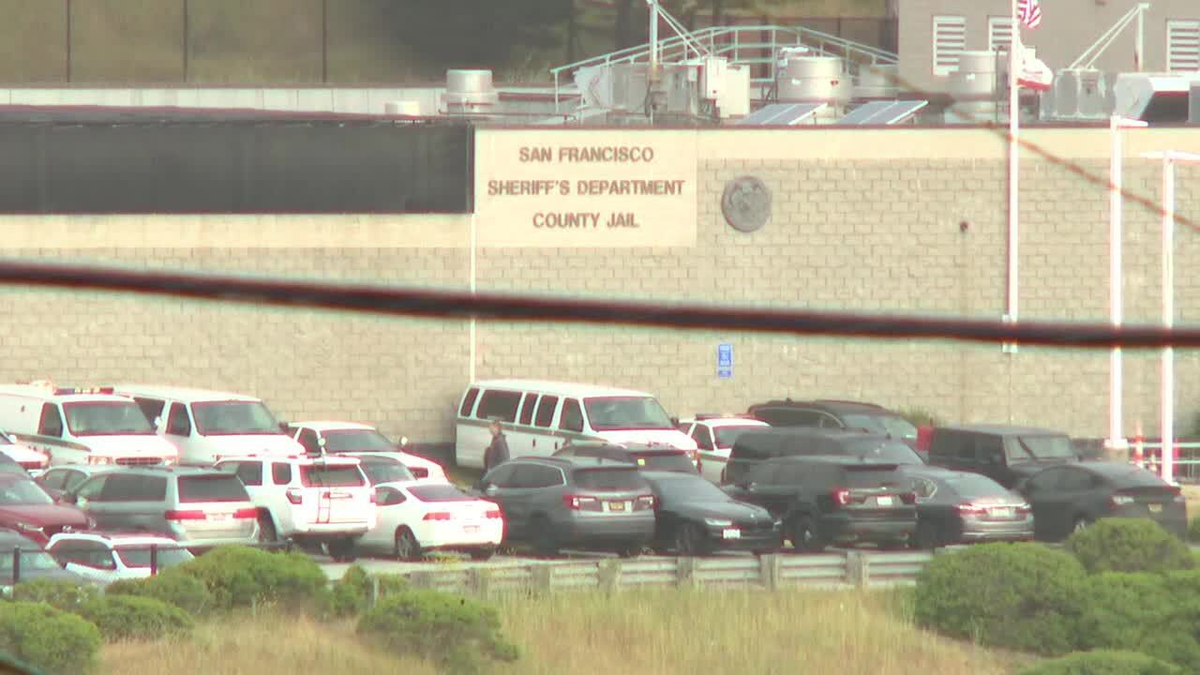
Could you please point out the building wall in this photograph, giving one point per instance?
(861, 220)
(1068, 28)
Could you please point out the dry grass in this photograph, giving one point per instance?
(1192, 494)
(662, 632)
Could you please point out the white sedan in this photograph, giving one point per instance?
(415, 517)
(105, 558)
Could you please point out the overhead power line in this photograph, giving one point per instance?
(460, 304)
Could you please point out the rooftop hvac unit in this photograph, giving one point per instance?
(469, 91)
(1081, 93)
(630, 84)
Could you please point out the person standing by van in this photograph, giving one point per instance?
(497, 451)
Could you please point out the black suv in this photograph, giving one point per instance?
(581, 502)
(753, 447)
(824, 500)
(646, 457)
(829, 414)
(1004, 453)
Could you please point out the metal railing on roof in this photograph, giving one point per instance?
(740, 45)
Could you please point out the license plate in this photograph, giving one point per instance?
(220, 517)
(1005, 512)
(1156, 508)
(470, 529)
(616, 506)
(883, 501)
(732, 533)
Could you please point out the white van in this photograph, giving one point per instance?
(81, 426)
(208, 425)
(538, 417)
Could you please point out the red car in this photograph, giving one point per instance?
(27, 509)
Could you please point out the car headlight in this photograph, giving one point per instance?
(717, 522)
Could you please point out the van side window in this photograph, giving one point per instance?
(178, 423)
(51, 422)
(572, 417)
(502, 404)
(281, 473)
(250, 473)
(468, 402)
(990, 450)
(545, 411)
(702, 437)
(527, 406)
(151, 408)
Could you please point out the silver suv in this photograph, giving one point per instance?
(198, 507)
(572, 502)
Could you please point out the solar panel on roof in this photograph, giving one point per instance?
(882, 112)
(782, 114)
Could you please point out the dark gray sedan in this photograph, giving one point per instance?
(695, 517)
(958, 507)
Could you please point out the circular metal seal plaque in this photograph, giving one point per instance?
(746, 203)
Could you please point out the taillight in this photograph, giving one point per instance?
(1024, 509)
(437, 515)
(968, 509)
(579, 503)
(295, 496)
(246, 513)
(184, 515)
(495, 513)
(909, 498)
(645, 502)
(841, 496)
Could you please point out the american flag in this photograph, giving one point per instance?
(1029, 13)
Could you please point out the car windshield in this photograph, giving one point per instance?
(885, 451)
(357, 440)
(331, 475)
(212, 488)
(30, 560)
(609, 480)
(611, 413)
(386, 472)
(22, 493)
(891, 425)
(726, 436)
(440, 493)
(672, 490)
(1041, 447)
(973, 487)
(224, 418)
(664, 461)
(106, 418)
(139, 555)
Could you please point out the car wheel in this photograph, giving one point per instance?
(266, 529)
(544, 542)
(805, 536)
(407, 546)
(485, 553)
(342, 550)
(689, 540)
(926, 538)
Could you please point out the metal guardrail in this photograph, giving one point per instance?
(830, 570)
(741, 45)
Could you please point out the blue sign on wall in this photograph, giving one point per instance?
(724, 360)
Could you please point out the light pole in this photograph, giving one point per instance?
(1169, 159)
(1116, 437)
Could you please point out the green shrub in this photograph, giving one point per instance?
(59, 594)
(58, 642)
(239, 576)
(351, 595)
(129, 617)
(1144, 612)
(171, 586)
(1021, 596)
(458, 634)
(1129, 545)
(1104, 662)
(1193, 531)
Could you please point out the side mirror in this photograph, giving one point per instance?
(490, 490)
(68, 498)
(283, 426)
(157, 423)
(674, 421)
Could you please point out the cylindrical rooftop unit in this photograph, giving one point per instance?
(975, 79)
(814, 79)
(877, 80)
(469, 91)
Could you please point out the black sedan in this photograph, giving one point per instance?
(958, 507)
(1069, 497)
(695, 517)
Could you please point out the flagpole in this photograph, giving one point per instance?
(1013, 166)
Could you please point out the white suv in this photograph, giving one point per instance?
(714, 436)
(312, 501)
(351, 438)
